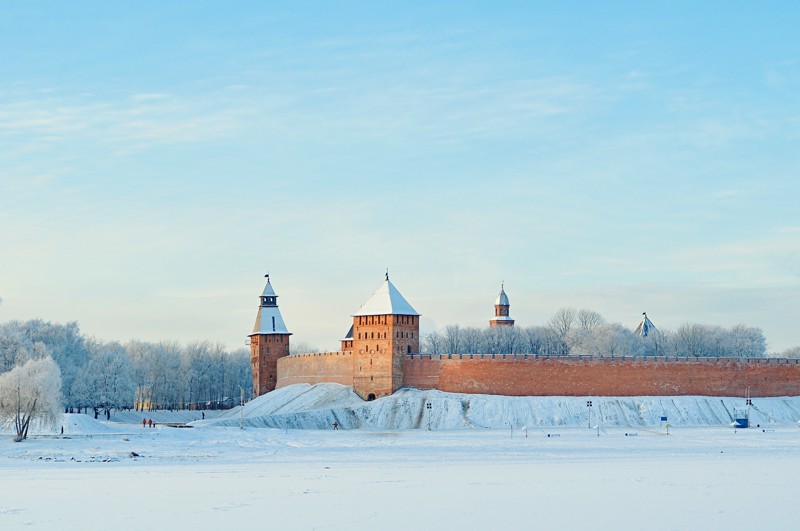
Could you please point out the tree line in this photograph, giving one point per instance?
(105, 375)
(572, 332)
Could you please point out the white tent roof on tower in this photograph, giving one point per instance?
(269, 321)
(386, 301)
(646, 327)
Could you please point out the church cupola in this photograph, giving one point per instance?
(501, 306)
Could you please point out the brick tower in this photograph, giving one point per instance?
(501, 306)
(385, 329)
(268, 342)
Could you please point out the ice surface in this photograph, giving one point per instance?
(110, 475)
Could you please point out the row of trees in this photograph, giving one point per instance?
(104, 375)
(586, 332)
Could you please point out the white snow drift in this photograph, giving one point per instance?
(304, 406)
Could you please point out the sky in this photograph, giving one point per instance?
(157, 159)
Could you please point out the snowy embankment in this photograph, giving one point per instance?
(77, 423)
(318, 406)
(73, 423)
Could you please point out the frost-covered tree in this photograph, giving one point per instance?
(12, 350)
(589, 319)
(492, 340)
(106, 382)
(452, 339)
(432, 343)
(747, 342)
(561, 324)
(157, 374)
(471, 340)
(238, 374)
(64, 342)
(31, 391)
(793, 353)
(613, 339)
(302, 347)
(509, 338)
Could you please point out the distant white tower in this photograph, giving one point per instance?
(501, 306)
(646, 327)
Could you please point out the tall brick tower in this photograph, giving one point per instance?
(268, 342)
(385, 329)
(501, 306)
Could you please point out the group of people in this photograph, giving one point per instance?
(146, 423)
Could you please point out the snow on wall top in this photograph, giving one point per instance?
(386, 301)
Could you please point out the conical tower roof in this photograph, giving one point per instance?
(268, 291)
(646, 327)
(269, 319)
(386, 301)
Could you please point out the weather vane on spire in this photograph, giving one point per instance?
(267, 276)
(387, 273)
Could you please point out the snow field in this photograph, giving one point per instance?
(487, 463)
(210, 477)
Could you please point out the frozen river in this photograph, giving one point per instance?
(224, 478)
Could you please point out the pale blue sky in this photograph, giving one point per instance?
(156, 161)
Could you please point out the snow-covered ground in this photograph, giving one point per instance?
(319, 406)
(558, 476)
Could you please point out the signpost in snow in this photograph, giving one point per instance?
(428, 406)
(241, 407)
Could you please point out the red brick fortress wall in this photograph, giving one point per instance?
(564, 376)
(336, 367)
(575, 376)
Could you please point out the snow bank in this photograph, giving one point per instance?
(305, 406)
(73, 424)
